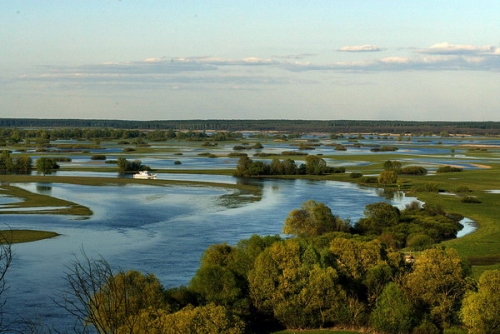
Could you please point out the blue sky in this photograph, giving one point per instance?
(336, 59)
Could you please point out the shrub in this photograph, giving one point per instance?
(470, 199)
(388, 177)
(414, 170)
(128, 149)
(177, 162)
(368, 179)
(463, 189)
(237, 154)
(428, 187)
(61, 159)
(419, 241)
(355, 175)
(98, 157)
(448, 169)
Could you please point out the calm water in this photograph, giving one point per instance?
(162, 230)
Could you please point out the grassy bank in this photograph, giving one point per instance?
(18, 236)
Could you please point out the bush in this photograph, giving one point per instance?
(414, 170)
(462, 189)
(388, 177)
(428, 187)
(237, 154)
(448, 169)
(355, 175)
(419, 241)
(61, 159)
(98, 157)
(368, 179)
(177, 162)
(470, 199)
(128, 149)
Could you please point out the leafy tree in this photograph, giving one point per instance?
(126, 166)
(209, 319)
(46, 165)
(315, 165)
(388, 177)
(392, 165)
(481, 309)
(109, 302)
(296, 291)
(437, 284)
(313, 219)
(392, 313)
(377, 217)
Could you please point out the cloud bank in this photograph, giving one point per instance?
(252, 71)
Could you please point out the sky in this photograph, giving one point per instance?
(318, 59)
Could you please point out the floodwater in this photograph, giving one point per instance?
(158, 229)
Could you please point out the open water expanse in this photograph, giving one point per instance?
(159, 229)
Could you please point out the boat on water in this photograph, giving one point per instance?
(144, 175)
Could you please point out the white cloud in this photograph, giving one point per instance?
(360, 48)
(446, 48)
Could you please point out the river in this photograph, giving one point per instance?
(158, 229)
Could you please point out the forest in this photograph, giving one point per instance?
(299, 126)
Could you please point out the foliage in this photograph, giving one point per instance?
(437, 284)
(46, 165)
(470, 199)
(209, 319)
(387, 177)
(289, 283)
(19, 164)
(392, 165)
(448, 169)
(313, 219)
(393, 313)
(413, 170)
(98, 157)
(481, 309)
(126, 166)
(107, 301)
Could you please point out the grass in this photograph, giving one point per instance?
(19, 236)
(39, 203)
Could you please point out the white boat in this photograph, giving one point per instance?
(144, 175)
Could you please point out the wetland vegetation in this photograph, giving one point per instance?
(454, 175)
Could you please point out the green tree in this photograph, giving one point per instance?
(299, 293)
(377, 217)
(481, 309)
(45, 165)
(392, 313)
(392, 165)
(313, 219)
(315, 165)
(388, 177)
(209, 319)
(109, 302)
(437, 284)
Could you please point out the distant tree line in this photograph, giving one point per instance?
(42, 136)
(296, 126)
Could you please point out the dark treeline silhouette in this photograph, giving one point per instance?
(329, 126)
